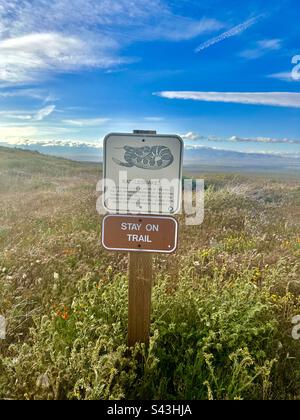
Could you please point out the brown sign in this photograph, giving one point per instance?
(140, 233)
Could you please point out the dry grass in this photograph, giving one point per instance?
(50, 241)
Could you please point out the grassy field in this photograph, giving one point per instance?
(222, 305)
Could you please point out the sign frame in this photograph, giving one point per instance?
(145, 135)
(141, 250)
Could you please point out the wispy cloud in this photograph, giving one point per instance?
(236, 30)
(57, 143)
(38, 94)
(89, 122)
(238, 139)
(18, 117)
(39, 39)
(192, 136)
(284, 76)
(28, 58)
(261, 48)
(138, 19)
(44, 112)
(27, 16)
(154, 119)
(15, 115)
(178, 28)
(53, 143)
(39, 115)
(281, 99)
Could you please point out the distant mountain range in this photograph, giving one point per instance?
(198, 156)
(194, 156)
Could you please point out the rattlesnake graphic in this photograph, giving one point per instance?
(155, 157)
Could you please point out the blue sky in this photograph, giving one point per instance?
(219, 72)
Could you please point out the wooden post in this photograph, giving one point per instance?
(139, 306)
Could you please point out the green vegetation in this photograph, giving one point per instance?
(222, 306)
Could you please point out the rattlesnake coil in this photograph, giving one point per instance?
(155, 157)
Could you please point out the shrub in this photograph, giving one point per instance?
(210, 339)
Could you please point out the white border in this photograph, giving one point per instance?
(144, 217)
(179, 203)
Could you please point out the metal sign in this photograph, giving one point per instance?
(142, 173)
(140, 233)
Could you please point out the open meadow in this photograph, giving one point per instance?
(222, 305)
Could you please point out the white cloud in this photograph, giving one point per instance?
(15, 133)
(154, 119)
(38, 94)
(44, 112)
(238, 139)
(39, 38)
(282, 99)
(270, 44)
(15, 115)
(284, 76)
(24, 15)
(89, 122)
(191, 136)
(137, 19)
(28, 58)
(54, 143)
(228, 34)
(74, 144)
(178, 28)
(261, 48)
(39, 115)
(19, 117)
(263, 140)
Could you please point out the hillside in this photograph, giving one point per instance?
(222, 305)
(34, 164)
(195, 158)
